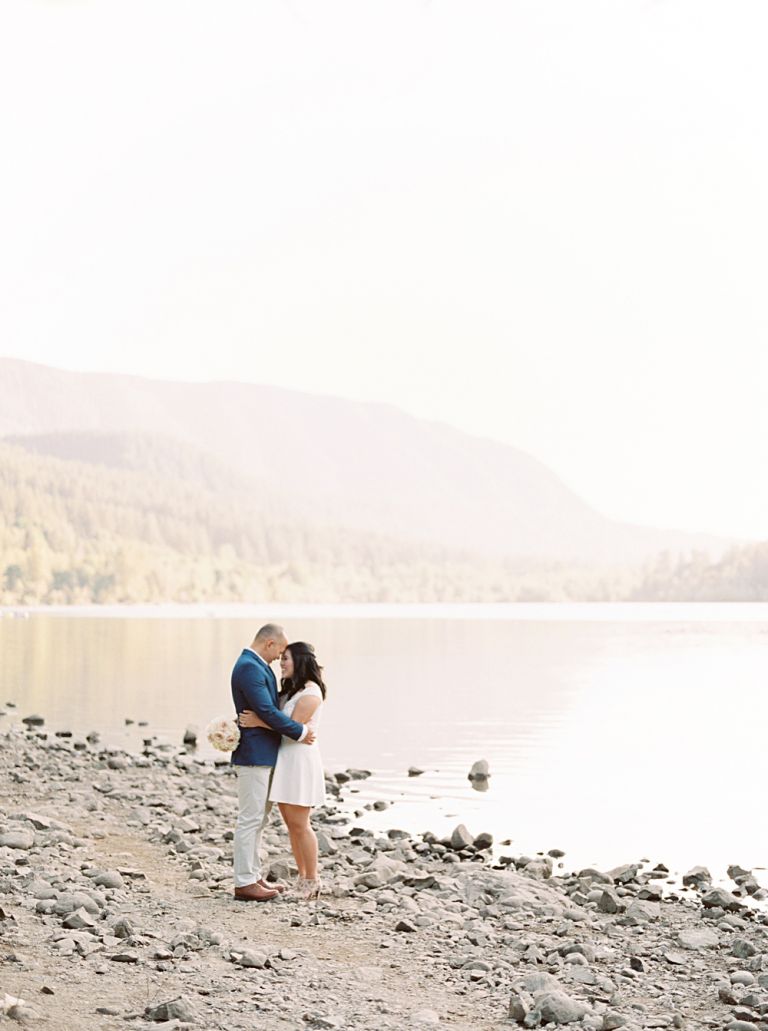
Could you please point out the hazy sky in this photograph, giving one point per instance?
(541, 221)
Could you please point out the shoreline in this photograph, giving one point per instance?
(115, 875)
(571, 611)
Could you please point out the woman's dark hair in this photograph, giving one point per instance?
(305, 670)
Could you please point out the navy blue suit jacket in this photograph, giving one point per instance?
(254, 686)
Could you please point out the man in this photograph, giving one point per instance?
(254, 686)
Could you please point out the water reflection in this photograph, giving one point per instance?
(601, 737)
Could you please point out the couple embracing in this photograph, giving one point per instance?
(277, 759)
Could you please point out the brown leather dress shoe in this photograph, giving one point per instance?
(255, 893)
(277, 886)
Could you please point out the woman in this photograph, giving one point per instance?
(298, 782)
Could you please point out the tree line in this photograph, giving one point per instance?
(74, 532)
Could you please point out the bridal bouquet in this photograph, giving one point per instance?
(223, 733)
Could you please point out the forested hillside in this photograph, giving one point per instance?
(152, 520)
(740, 575)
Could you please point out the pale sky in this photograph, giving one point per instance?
(542, 222)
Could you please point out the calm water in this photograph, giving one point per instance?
(612, 732)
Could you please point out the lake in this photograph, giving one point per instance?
(613, 732)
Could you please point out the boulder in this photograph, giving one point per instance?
(624, 874)
(461, 838)
(253, 958)
(109, 879)
(698, 938)
(381, 871)
(697, 877)
(559, 1008)
(718, 898)
(22, 839)
(540, 869)
(79, 920)
(176, 1009)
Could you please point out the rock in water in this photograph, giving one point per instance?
(697, 877)
(190, 736)
(479, 771)
(33, 721)
(414, 771)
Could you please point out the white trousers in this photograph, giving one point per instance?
(252, 817)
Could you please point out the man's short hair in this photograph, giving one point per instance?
(271, 631)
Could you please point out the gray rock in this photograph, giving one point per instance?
(176, 1009)
(461, 838)
(624, 874)
(697, 877)
(79, 920)
(253, 958)
(281, 870)
(406, 926)
(326, 846)
(609, 902)
(123, 928)
(612, 1020)
(539, 981)
(67, 903)
(718, 898)
(126, 956)
(742, 949)
(381, 871)
(23, 1014)
(559, 1008)
(190, 736)
(519, 1006)
(640, 913)
(741, 1025)
(698, 938)
(426, 1017)
(480, 770)
(483, 841)
(540, 869)
(742, 977)
(22, 839)
(109, 879)
(414, 771)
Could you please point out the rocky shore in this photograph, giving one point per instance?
(116, 911)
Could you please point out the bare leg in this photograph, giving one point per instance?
(303, 839)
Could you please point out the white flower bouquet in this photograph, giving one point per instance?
(223, 733)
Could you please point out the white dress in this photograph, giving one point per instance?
(298, 778)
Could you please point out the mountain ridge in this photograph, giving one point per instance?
(360, 466)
